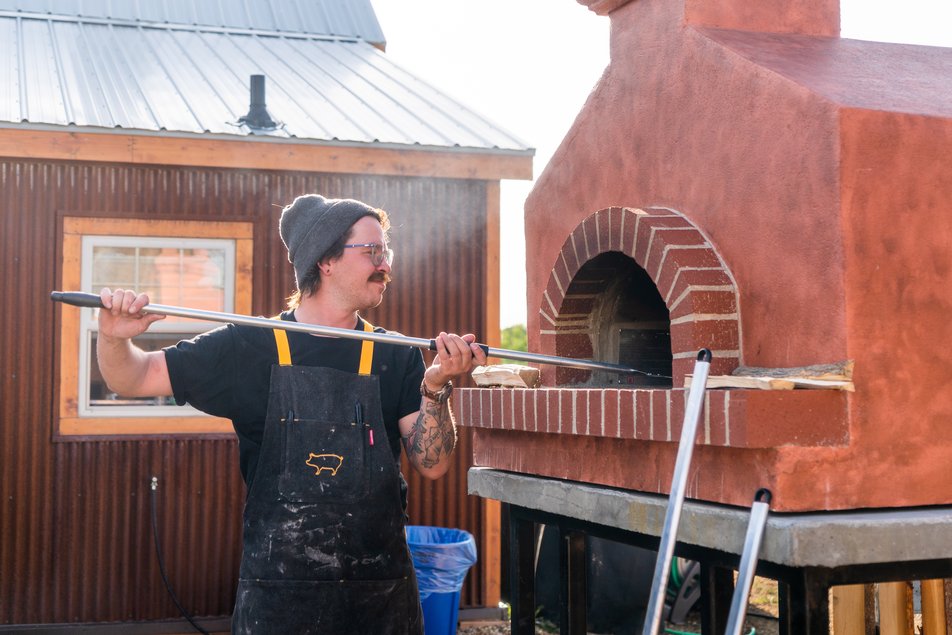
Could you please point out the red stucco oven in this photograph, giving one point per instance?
(743, 180)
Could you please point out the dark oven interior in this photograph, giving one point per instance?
(614, 303)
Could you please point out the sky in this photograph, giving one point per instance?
(529, 65)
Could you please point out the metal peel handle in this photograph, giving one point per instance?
(93, 301)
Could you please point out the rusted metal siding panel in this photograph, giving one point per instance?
(26, 464)
(75, 515)
(103, 550)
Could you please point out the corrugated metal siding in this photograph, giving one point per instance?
(103, 553)
(348, 18)
(74, 515)
(161, 79)
(26, 467)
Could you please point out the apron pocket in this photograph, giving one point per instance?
(323, 462)
(349, 607)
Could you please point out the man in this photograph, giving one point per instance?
(320, 423)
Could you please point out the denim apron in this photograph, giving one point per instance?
(325, 548)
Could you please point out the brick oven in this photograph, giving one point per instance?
(742, 179)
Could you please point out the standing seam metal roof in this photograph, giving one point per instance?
(128, 71)
(346, 18)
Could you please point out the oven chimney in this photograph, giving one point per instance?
(806, 17)
(258, 116)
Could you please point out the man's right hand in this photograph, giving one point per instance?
(122, 317)
(127, 369)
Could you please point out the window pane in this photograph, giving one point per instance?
(159, 272)
(183, 276)
(114, 267)
(153, 265)
(203, 279)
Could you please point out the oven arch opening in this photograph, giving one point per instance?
(693, 282)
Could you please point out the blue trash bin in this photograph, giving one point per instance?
(441, 558)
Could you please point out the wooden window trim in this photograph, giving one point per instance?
(69, 423)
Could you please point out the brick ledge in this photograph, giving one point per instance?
(735, 418)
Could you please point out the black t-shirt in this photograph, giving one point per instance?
(227, 373)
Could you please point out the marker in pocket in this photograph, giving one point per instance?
(359, 419)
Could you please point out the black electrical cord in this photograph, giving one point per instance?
(158, 553)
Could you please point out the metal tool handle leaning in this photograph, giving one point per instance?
(748, 562)
(679, 481)
(93, 301)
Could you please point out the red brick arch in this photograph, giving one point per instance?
(694, 282)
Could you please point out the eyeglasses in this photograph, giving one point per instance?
(378, 253)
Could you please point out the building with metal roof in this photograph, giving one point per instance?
(128, 128)
(174, 68)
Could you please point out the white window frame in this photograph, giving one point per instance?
(186, 422)
(89, 325)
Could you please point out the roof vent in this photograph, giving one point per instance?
(258, 116)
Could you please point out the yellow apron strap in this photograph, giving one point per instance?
(284, 350)
(366, 351)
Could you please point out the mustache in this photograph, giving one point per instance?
(381, 276)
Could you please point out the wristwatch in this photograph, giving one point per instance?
(441, 396)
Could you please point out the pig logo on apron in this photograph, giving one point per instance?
(329, 462)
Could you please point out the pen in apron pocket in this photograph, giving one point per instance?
(359, 417)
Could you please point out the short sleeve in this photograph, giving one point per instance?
(412, 378)
(201, 371)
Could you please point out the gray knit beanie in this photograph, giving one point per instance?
(312, 224)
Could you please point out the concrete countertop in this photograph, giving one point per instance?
(823, 539)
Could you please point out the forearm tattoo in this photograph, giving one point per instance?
(433, 435)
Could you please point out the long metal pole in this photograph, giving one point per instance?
(748, 562)
(93, 301)
(679, 482)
